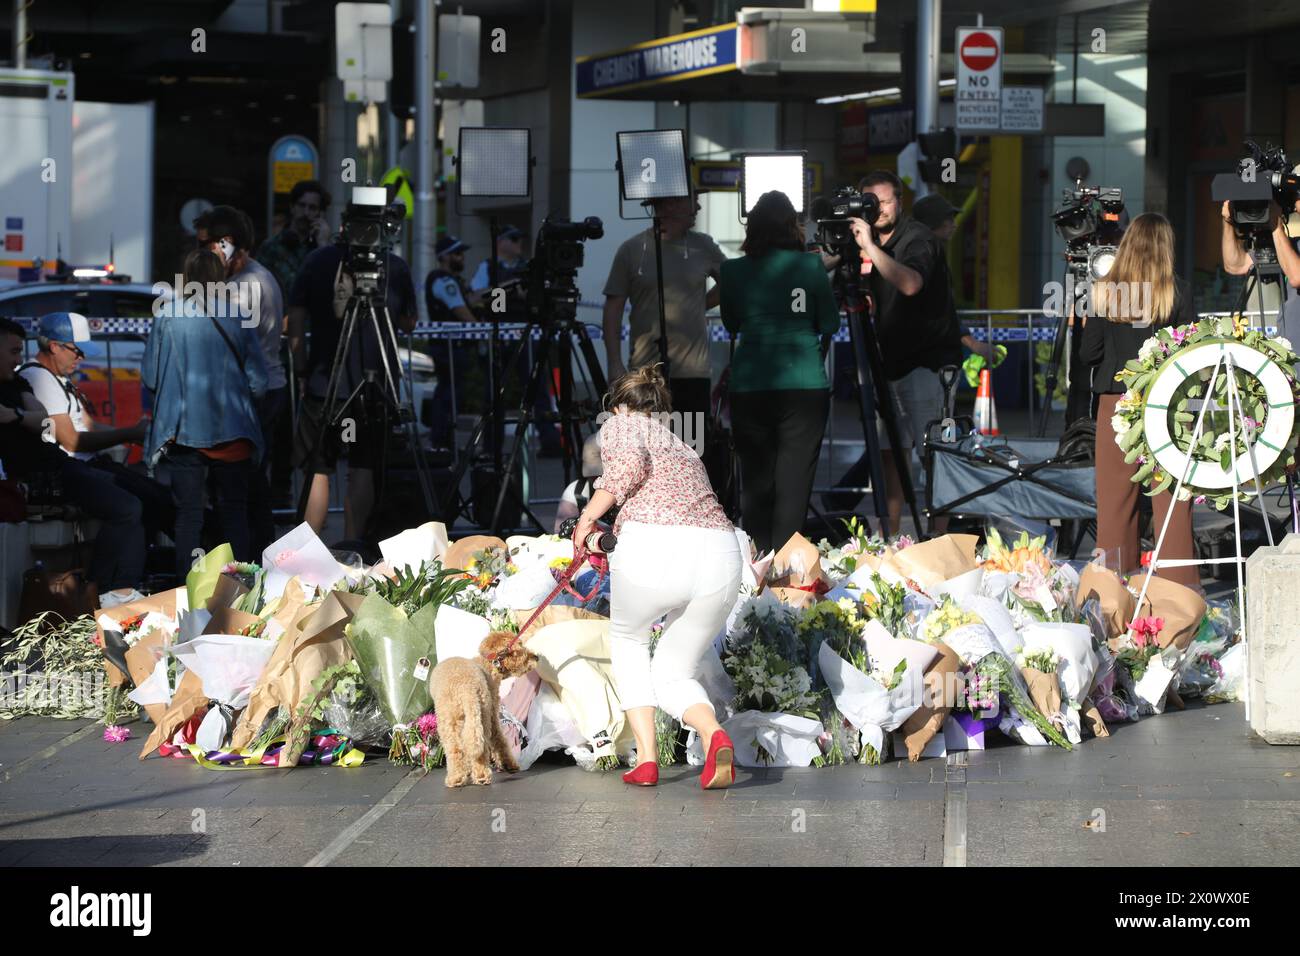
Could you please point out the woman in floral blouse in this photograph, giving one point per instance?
(678, 556)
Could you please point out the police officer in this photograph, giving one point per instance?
(449, 299)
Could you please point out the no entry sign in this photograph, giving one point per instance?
(979, 77)
(979, 51)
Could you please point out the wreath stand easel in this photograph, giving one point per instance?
(1225, 357)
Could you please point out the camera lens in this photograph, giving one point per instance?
(870, 207)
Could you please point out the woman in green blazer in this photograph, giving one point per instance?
(778, 299)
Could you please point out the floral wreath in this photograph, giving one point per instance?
(1166, 376)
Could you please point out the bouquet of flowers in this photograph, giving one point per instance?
(842, 560)
(250, 578)
(763, 617)
(1201, 673)
(410, 590)
(888, 606)
(1000, 675)
(766, 681)
(838, 624)
(485, 568)
(945, 618)
(69, 683)
(869, 696)
(1044, 659)
(1018, 556)
(1141, 647)
(761, 658)
(417, 744)
(981, 695)
(1041, 597)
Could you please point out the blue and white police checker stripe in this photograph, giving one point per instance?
(1044, 329)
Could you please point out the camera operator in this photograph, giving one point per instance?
(907, 276)
(319, 297)
(1237, 261)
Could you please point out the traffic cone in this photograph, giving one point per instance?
(986, 413)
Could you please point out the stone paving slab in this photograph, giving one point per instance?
(1191, 787)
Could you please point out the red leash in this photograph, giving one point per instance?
(580, 556)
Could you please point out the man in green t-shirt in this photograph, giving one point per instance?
(690, 259)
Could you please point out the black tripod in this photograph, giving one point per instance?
(559, 332)
(1075, 284)
(873, 393)
(371, 401)
(1264, 268)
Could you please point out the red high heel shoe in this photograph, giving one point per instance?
(643, 775)
(719, 767)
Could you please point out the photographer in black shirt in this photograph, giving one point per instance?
(907, 276)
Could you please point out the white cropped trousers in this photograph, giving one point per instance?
(692, 575)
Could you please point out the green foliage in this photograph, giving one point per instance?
(57, 670)
(888, 610)
(411, 590)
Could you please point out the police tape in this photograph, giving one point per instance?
(481, 331)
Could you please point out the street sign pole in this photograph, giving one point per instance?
(426, 205)
(928, 15)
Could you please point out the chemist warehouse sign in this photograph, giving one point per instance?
(680, 57)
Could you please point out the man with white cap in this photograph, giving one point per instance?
(57, 337)
(75, 430)
(117, 559)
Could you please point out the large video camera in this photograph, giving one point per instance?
(833, 213)
(557, 257)
(371, 227)
(1089, 221)
(1262, 176)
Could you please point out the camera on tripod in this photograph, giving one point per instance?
(1262, 176)
(1089, 222)
(834, 231)
(559, 243)
(371, 227)
(557, 257)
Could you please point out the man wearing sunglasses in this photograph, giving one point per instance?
(50, 377)
(74, 429)
(101, 488)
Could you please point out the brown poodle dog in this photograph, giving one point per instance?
(466, 698)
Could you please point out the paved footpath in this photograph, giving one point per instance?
(1190, 788)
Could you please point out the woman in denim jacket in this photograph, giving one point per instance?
(204, 368)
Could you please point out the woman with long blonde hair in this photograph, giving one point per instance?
(1140, 294)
